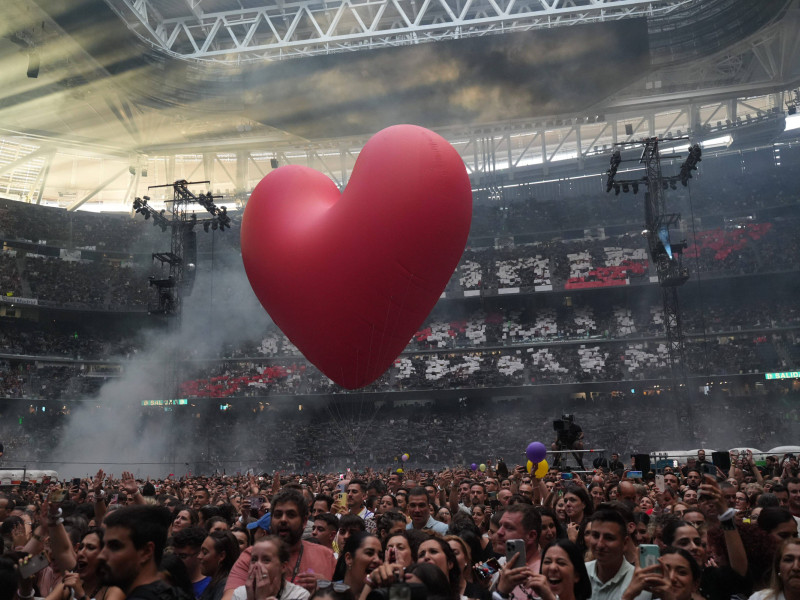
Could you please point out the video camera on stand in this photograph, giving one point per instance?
(565, 435)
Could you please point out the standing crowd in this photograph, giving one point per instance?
(685, 532)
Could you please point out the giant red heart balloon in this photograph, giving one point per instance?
(349, 277)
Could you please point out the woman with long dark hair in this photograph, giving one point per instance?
(218, 554)
(562, 573)
(361, 555)
(85, 581)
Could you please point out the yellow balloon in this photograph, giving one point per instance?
(542, 469)
(529, 466)
(482, 467)
(400, 471)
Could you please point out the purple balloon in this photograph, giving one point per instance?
(474, 466)
(536, 452)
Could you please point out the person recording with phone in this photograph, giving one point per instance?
(520, 527)
(674, 576)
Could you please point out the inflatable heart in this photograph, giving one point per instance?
(349, 277)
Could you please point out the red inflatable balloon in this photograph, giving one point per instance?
(349, 277)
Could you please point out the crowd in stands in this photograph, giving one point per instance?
(332, 435)
(539, 266)
(506, 346)
(562, 363)
(530, 366)
(74, 229)
(68, 340)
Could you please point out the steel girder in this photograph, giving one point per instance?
(291, 29)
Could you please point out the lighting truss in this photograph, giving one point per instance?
(292, 29)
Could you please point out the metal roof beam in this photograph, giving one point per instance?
(78, 203)
(308, 27)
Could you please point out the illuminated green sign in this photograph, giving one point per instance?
(784, 375)
(175, 402)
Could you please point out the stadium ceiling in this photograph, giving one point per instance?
(230, 30)
(115, 107)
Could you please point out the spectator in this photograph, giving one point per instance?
(289, 514)
(218, 554)
(134, 542)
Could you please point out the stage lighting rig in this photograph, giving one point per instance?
(689, 165)
(665, 257)
(181, 218)
(141, 206)
(616, 159)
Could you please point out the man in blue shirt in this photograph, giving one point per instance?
(419, 509)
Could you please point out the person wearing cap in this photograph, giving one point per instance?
(307, 562)
(260, 529)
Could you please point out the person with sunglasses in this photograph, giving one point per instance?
(329, 590)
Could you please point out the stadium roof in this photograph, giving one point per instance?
(126, 89)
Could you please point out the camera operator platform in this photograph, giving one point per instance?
(569, 436)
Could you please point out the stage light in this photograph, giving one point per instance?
(616, 189)
(635, 187)
(625, 188)
(672, 185)
(206, 225)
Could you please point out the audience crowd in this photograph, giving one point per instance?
(672, 530)
(237, 434)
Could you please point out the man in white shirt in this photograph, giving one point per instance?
(356, 492)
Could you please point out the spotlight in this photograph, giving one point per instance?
(214, 226)
(273, 162)
(625, 188)
(206, 226)
(616, 189)
(635, 187)
(672, 185)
